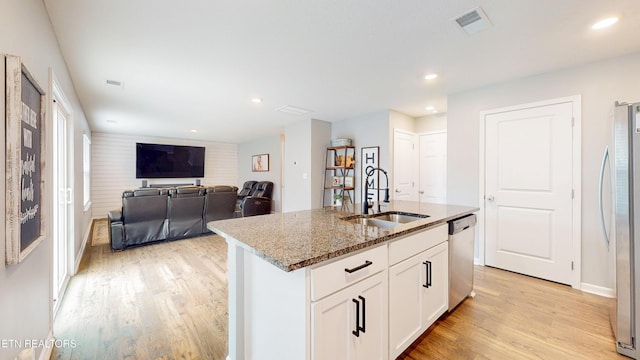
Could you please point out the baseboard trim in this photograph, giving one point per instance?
(85, 240)
(48, 350)
(598, 290)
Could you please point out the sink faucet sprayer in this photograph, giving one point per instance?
(365, 203)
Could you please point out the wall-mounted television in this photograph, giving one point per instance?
(154, 161)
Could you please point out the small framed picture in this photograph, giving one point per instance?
(260, 163)
(343, 181)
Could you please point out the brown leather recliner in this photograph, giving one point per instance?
(259, 200)
(155, 214)
(142, 219)
(186, 206)
(219, 204)
(247, 187)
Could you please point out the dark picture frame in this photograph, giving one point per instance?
(25, 128)
(370, 158)
(260, 163)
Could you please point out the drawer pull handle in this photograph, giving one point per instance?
(366, 263)
(356, 332)
(359, 328)
(428, 274)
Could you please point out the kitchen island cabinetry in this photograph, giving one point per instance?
(418, 295)
(352, 324)
(315, 285)
(349, 306)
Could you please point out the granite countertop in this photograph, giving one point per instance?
(294, 240)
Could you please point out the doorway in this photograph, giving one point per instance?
(433, 167)
(63, 238)
(529, 189)
(404, 161)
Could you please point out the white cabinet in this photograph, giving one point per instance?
(437, 292)
(368, 305)
(352, 323)
(418, 295)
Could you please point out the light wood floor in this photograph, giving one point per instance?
(518, 317)
(162, 301)
(169, 301)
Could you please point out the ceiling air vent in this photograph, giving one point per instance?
(293, 110)
(473, 21)
(114, 83)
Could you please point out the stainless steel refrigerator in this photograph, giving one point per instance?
(625, 316)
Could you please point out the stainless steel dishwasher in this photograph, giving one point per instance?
(461, 237)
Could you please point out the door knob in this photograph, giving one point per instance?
(421, 192)
(490, 198)
(397, 190)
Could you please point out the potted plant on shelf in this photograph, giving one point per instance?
(339, 199)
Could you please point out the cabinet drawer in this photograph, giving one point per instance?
(417, 242)
(329, 278)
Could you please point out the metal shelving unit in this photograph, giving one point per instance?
(339, 177)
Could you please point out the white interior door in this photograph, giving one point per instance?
(404, 161)
(528, 191)
(62, 214)
(433, 167)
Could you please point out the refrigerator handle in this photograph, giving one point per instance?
(605, 232)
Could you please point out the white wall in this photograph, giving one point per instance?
(269, 145)
(600, 84)
(303, 162)
(365, 131)
(297, 162)
(434, 122)
(113, 160)
(398, 120)
(25, 289)
(320, 140)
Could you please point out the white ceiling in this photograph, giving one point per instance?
(196, 64)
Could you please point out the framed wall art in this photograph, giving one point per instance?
(24, 162)
(370, 159)
(260, 163)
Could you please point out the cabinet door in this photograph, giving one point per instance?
(418, 295)
(352, 324)
(437, 294)
(406, 303)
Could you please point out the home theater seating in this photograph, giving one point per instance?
(254, 198)
(157, 214)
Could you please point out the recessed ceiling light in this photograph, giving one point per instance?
(256, 100)
(193, 130)
(431, 76)
(434, 112)
(429, 108)
(604, 23)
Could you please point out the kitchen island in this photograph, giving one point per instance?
(287, 271)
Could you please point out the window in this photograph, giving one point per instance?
(86, 170)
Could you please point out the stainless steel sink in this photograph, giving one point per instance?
(398, 217)
(373, 222)
(386, 219)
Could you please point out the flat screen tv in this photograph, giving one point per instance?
(154, 161)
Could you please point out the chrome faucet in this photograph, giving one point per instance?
(365, 202)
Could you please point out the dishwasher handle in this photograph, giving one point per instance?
(461, 224)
